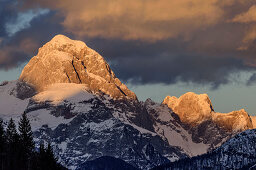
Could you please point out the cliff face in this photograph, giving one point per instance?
(235, 120)
(253, 121)
(194, 109)
(63, 60)
(191, 108)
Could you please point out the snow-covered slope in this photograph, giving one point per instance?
(74, 120)
(237, 153)
(168, 126)
(84, 126)
(10, 104)
(194, 140)
(60, 92)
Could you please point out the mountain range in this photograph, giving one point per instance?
(75, 101)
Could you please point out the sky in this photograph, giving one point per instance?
(156, 47)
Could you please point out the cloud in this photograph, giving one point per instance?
(135, 19)
(19, 48)
(168, 62)
(146, 41)
(23, 20)
(251, 35)
(246, 17)
(252, 80)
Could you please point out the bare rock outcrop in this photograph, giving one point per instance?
(236, 120)
(191, 108)
(194, 109)
(253, 121)
(63, 60)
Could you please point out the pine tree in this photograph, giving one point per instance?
(2, 145)
(41, 159)
(46, 159)
(11, 132)
(50, 157)
(13, 146)
(2, 136)
(26, 140)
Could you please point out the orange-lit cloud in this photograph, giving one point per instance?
(246, 17)
(249, 18)
(180, 40)
(137, 19)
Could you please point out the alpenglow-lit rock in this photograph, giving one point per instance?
(191, 108)
(63, 60)
(194, 109)
(236, 120)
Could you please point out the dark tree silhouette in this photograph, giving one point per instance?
(13, 146)
(26, 141)
(46, 159)
(17, 150)
(2, 145)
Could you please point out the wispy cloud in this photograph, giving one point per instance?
(23, 20)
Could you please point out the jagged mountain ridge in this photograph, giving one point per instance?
(86, 126)
(194, 109)
(72, 107)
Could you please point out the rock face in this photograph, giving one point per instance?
(191, 108)
(63, 60)
(253, 121)
(235, 120)
(194, 109)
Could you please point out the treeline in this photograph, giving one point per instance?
(17, 149)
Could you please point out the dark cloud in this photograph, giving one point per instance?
(252, 80)
(8, 10)
(21, 47)
(168, 62)
(170, 46)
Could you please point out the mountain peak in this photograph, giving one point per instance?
(238, 120)
(191, 107)
(63, 60)
(60, 40)
(195, 108)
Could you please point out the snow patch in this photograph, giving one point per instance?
(9, 104)
(42, 117)
(60, 92)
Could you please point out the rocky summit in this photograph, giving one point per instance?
(193, 109)
(75, 102)
(63, 60)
